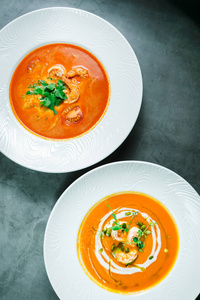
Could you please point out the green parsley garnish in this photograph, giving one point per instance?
(52, 94)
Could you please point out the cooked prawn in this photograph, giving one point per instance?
(73, 90)
(126, 258)
(56, 70)
(32, 65)
(119, 235)
(77, 71)
(133, 232)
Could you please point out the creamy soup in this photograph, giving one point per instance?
(59, 91)
(128, 242)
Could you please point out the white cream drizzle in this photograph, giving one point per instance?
(104, 259)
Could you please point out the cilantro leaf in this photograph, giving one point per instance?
(52, 94)
(60, 94)
(45, 102)
(50, 87)
(38, 90)
(58, 101)
(42, 82)
(60, 83)
(32, 85)
(29, 92)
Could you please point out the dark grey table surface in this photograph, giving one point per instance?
(165, 36)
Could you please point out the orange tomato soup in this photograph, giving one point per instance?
(128, 242)
(85, 95)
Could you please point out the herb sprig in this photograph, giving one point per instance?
(137, 240)
(142, 232)
(133, 214)
(52, 94)
(117, 225)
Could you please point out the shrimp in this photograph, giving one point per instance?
(119, 235)
(32, 65)
(77, 71)
(133, 232)
(73, 90)
(126, 258)
(56, 70)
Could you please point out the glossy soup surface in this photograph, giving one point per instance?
(93, 92)
(136, 257)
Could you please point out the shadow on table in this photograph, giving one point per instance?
(190, 8)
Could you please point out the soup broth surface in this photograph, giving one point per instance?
(85, 89)
(128, 242)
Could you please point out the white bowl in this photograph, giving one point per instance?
(73, 26)
(60, 254)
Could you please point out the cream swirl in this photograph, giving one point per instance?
(104, 259)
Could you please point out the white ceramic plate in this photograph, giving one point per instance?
(60, 255)
(89, 31)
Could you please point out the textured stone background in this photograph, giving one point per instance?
(165, 36)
